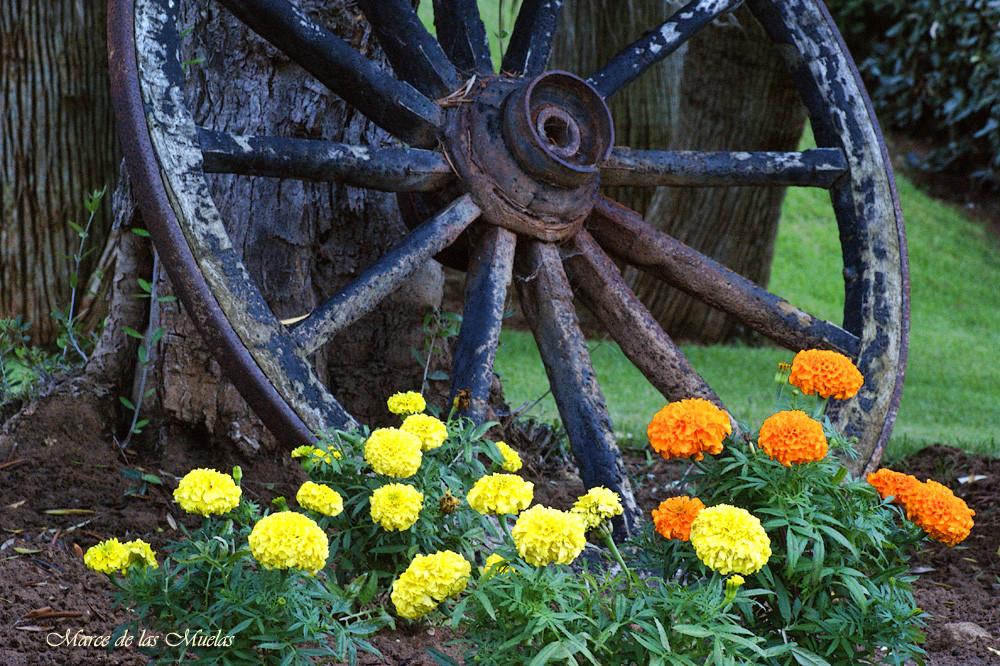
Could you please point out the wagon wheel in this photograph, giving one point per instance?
(515, 161)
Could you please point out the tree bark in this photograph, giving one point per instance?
(728, 91)
(300, 241)
(57, 145)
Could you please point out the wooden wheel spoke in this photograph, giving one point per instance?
(462, 35)
(531, 40)
(487, 281)
(657, 44)
(627, 236)
(817, 167)
(391, 104)
(394, 169)
(362, 294)
(598, 283)
(547, 300)
(414, 54)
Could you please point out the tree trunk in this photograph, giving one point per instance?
(301, 241)
(728, 91)
(57, 145)
(78, 411)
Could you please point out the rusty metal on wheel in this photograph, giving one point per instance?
(507, 168)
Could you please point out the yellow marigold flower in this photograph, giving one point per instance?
(500, 494)
(544, 535)
(207, 492)
(396, 506)
(897, 484)
(495, 565)
(674, 516)
(792, 438)
(107, 557)
(937, 511)
(409, 402)
(688, 428)
(393, 452)
(311, 454)
(140, 552)
(733, 584)
(289, 540)
(430, 431)
(511, 458)
(112, 555)
(827, 373)
(598, 505)
(729, 539)
(303, 451)
(427, 581)
(320, 498)
(410, 600)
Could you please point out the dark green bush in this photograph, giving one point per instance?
(932, 72)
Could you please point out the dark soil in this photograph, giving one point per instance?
(62, 490)
(961, 584)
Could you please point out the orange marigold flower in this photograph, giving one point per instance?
(897, 484)
(688, 428)
(827, 373)
(674, 516)
(937, 511)
(792, 438)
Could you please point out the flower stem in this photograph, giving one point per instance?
(617, 556)
(505, 528)
(820, 407)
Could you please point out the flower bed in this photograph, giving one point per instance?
(536, 579)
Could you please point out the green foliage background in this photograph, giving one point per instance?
(933, 74)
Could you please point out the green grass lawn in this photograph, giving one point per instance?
(951, 392)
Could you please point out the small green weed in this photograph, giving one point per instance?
(437, 326)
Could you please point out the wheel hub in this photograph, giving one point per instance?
(529, 152)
